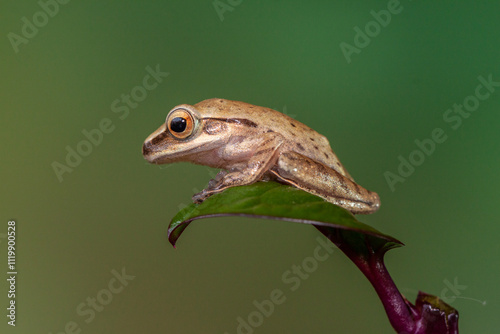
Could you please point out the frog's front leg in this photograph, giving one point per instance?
(264, 155)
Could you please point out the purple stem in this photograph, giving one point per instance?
(429, 316)
(394, 303)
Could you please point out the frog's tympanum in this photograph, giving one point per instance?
(251, 143)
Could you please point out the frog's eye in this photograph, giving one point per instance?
(180, 123)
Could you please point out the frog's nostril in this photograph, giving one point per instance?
(146, 148)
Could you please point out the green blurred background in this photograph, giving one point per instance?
(112, 211)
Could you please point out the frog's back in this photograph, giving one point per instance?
(222, 108)
(299, 137)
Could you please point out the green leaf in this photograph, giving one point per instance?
(272, 200)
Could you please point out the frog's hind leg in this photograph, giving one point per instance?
(323, 181)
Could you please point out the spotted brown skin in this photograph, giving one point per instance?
(251, 143)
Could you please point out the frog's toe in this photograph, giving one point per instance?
(220, 175)
(212, 183)
(201, 196)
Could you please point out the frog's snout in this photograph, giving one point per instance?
(146, 150)
(150, 147)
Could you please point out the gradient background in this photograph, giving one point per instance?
(112, 211)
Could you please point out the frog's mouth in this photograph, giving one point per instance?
(169, 152)
(155, 155)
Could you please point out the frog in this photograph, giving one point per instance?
(250, 144)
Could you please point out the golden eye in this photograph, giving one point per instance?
(180, 123)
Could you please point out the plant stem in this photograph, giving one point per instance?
(429, 316)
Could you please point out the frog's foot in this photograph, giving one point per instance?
(227, 180)
(212, 184)
(201, 196)
(211, 189)
(222, 181)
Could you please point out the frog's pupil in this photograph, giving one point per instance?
(178, 124)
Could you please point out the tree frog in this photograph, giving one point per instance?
(251, 143)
